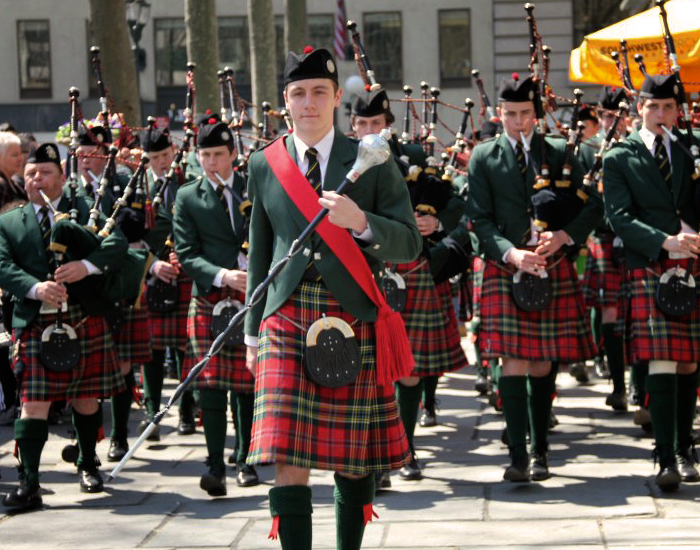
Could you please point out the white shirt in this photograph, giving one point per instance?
(91, 268)
(648, 137)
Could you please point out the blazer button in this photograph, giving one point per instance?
(376, 247)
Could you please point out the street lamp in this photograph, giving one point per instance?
(138, 13)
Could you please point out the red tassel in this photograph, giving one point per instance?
(553, 396)
(150, 215)
(368, 512)
(137, 395)
(394, 356)
(101, 433)
(698, 392)
(646, 401)
(15, 451)
(275, 529)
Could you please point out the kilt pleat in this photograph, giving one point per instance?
(431, 330)
(133, 339)
(96, 375)
(561, 332)
(603, 281)
(354, 428)
(226, 370)
(169, 330)
(470, 290)
(653, 335)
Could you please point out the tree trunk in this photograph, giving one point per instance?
(111, 34)
(263, 59)
(295, 29)
(203, 49)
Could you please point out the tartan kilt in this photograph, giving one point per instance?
(652, 335)
(169, 330)
(561, 332)
(433, 334)
(603, 282)
(133, 339)
(354, 428)
(226, 370)
(96, 375)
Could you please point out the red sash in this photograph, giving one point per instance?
(394, 356)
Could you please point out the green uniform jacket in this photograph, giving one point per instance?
(23, 260)
(205, 242)
(641, 208)
(275, 222)
(156, 236)
(587, 151)
(499, 199)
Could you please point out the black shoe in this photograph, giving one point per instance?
(382, 480)
(118, 447)
(233, 457)
(214, 483)
(411, 472)
(668, 478)
(633, 397)
(90, 480)
(617, 400)
(70, 453)
(186, 426)
(246, 476)
(482, 384)
(25, 497)
(579, 372)
(518, 470)
(539, 471)
(427, 419)
(601, 368)
(154, 435)
(642, 416)
(686, 466)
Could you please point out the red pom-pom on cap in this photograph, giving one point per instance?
(613, 88)
(308, 49)
(515, 76)
(207, 112)
(367, 87)
(212, 120)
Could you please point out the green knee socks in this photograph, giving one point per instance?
(87, 427)
(121, 408)
(408, 398)
(430, 384)
(153, 374)
(614, 349)
(662, 389)
(290, 507)
(685, 409)
(513, 393)
(31, 434)
(353, 501)
(213, 403)
(540, 394)
(244, 424)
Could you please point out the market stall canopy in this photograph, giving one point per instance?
(591, 61)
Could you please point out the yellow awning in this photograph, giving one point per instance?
(591, 61)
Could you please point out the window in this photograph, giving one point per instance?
(171, 52)
(455, 47)
(34, 56)
(320, 35)
(233, 47)
(382, 41)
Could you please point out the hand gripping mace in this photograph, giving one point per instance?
(373, 151)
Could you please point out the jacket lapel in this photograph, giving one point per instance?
(677, 165)
(509, 163)
(339, 163)
(33, 232)
(649, 164)
(212, 205)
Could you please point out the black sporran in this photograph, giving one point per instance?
(531, 292)
(162, 297)
(332, 356)
(676, 294)
(222, 314)
(395, 290)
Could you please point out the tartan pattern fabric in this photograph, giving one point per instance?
(435, 344)
(170, 329)
(133, 339)
(652, 335)
(603, 282)
(354, 428)
(226, 370)
(470, 290)
(96, 375)
(452, 337)
(561, 332)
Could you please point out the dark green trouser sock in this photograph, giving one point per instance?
(213, 403)
(351, 496)
(186, 408)
(597, 331)
(614, 349)
(87, 427)
(430, 384)
(244, 425)
(513, 393)
(662, 390)
(292, 505)
(408, 398)
(496, 370)
(153, 374)
(685, 413)
(638, 378)
(31, 434)
(540, 394)
(121, 408)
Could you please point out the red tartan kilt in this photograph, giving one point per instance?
(603, 282)
(133, 339)
(226, 370)
(96, 375)
(430, 328)
(170, 329)
(652, 335)
(354, 428)
(561, 332)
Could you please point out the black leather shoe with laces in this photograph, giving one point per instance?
(618, 401)
(154, 435)
(686, 461)
(24, 497)
(539, 470)
(411, 472)
(118, 447)
(428, 419)
(246, 476)
(90, 480)
(518, 470)
(214, 482)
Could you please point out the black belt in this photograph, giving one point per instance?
(311, 274)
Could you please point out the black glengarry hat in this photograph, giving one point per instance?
(516, 90)
(46, 152)
(610, 98)
(587, 112)
(659, 86)
(310, 64)
(369, 104)
(214, 133)
(96, 135)
(158, 140)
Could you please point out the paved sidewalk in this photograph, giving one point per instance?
(602, 495)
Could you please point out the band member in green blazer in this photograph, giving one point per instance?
(299, 424)
(650, 199)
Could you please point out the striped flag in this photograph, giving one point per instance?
(340, 35)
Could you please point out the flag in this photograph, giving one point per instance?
(340, 34)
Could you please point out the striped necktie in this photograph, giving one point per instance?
(661, 158)
(313, 172)
(45, 227)
(224, 201)
(520, 157)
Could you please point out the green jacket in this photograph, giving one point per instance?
(163, 227)
(275, 222)
(641, 208)
(23, 260)
(587, 151)
(205, 242)
(499, 199)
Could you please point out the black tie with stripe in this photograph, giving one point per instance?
(662, 160)
(520, 157)
(45, 227)
(224, 201)
(313, 172)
